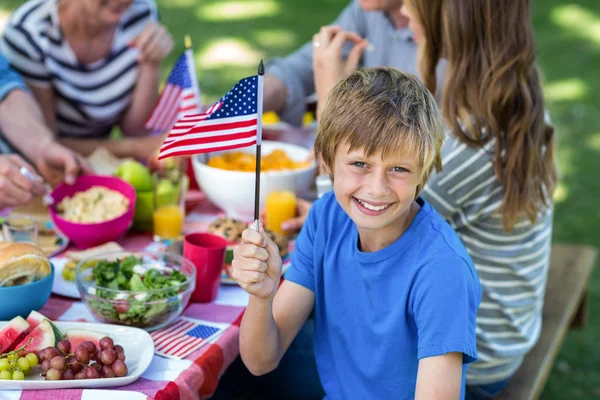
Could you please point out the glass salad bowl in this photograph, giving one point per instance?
(144, 289)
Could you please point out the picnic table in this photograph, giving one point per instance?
(197, 375)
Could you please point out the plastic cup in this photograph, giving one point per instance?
(20, 229)
(207, 253)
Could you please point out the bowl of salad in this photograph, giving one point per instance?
(145, 290)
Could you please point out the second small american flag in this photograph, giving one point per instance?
(185, 336)
(229, 124)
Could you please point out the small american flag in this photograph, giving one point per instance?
(179, 98)
(185, 336)
(230, 123)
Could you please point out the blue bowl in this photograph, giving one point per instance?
(22, 299)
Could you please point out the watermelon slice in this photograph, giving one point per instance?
(34, 318)
(78, 336)
(45, 335)
(11, 333)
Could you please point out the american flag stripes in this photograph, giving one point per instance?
(185, 336)
(180, 96)
(229, 124)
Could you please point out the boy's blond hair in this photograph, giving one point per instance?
(382, 109)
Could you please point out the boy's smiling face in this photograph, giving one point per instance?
(377, 194)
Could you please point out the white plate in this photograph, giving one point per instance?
(61, 285)
(139, 350)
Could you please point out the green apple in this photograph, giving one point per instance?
(144, 206)
(136, 174)
(166, 193)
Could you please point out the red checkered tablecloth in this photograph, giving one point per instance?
(194, 377)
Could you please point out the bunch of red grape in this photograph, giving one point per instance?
(60, 363)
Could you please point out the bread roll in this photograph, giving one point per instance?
(22, 263)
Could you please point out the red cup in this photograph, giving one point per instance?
(207, 253)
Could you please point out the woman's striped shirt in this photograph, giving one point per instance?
(512, 266)
(90, 98)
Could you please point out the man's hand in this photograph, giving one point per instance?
(155, 43)
(59, 164)
(15, 188)
(328, 62)
(256, 264)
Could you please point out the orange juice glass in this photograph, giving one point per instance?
(280, 206)
(167, 221)
(169, 195)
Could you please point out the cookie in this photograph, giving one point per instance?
(228, 228)
(280, 240)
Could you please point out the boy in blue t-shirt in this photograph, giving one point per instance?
(394, 292)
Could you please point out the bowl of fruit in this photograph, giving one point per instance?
(147, 290)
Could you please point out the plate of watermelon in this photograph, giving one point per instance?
(36, 353)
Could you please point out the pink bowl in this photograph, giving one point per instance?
(90, 235)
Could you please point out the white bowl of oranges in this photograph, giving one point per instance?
(227, 178)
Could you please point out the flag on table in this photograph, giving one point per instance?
(185, 336)
(230, 123)
(180, 96)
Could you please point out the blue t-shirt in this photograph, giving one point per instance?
(378, 313)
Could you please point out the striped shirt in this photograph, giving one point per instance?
(90, 98)
(512, 266)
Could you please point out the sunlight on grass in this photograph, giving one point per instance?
(578, 20)
(565, 90)
(561, 193)
(275, 37)
(594, 141)
(228, 51)
(238, 10)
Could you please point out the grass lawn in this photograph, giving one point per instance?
(230, 37)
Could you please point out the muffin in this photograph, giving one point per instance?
(231, 230)
(280, 240)
(228, 228)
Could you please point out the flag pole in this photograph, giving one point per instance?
(189, 56)
(259, 112)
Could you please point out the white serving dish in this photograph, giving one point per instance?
(233, 191)
(139, 350)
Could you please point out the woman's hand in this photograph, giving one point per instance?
(256, 264)
(328, 62)
(15, 188)
(296, 223)
(60, 164)
(155, 44)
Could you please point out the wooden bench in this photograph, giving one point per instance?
(565, 305)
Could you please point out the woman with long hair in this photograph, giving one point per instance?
(499, 169)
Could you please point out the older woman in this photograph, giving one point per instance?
(92, 65)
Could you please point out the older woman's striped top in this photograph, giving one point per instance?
(90, 98)
(512, 266)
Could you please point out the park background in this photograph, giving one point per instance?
(230, 37)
